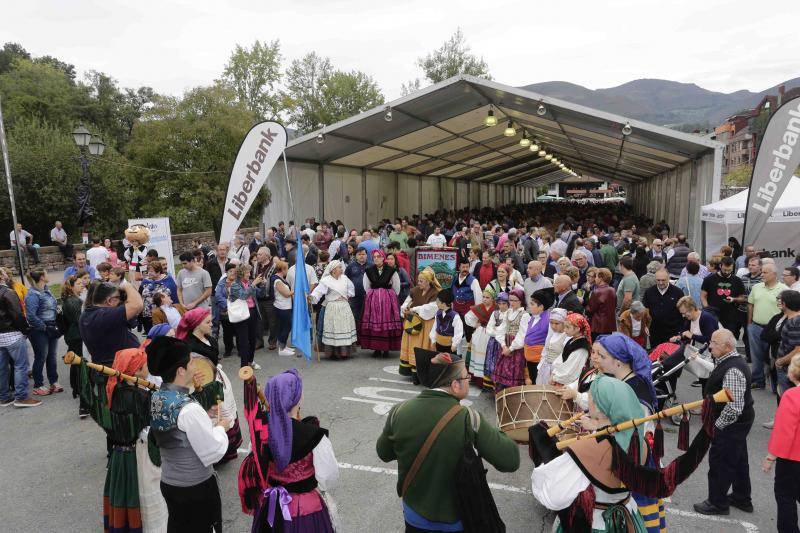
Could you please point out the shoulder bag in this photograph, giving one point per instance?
(237, 310)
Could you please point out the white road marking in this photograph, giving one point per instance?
(392, 369)
(382, 401)
(398, 381)
(748, 527)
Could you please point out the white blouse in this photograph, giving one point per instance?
(208, 441)
(425, 311)
(498, 331)
(326, 469)
(566, 372)
(333, 289)
(458, 330)
(556, 485)
(519, 339)
(395, 283)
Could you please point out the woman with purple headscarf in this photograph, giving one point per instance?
(623, 358)
(300, 465)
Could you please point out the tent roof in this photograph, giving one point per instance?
(440, 131)
(731, 210)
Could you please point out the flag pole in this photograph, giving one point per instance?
(7, 164)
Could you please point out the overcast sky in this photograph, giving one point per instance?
(173, 45)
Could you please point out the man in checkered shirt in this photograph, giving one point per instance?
(727, 458)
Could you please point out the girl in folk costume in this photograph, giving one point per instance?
(538, 327)
(478, 318)
(381, 328)
(509, 367)
(568, 367)
(283, 481)
(419, 311)
(132, 500)
(553, 345)
(580, 484)
(447, 329)
(195, 329)
(496, 329)
(339, 326)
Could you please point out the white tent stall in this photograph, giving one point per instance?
(781, 237)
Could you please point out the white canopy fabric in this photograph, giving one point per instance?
(725, 219)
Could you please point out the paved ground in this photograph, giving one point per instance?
(52, 465)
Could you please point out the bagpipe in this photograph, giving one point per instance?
(71, 358)
(253, 472)
(654, 482)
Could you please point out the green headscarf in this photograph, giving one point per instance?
(619, 403)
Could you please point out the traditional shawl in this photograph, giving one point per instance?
(482, 313)
(128, 361)
(382, 279)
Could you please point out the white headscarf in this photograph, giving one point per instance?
(331, 266)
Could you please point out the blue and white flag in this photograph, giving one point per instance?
(301, 319)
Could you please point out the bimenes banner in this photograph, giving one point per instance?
(778, 157)
(259, 152)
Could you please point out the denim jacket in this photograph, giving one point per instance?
(40, 307)
(238, 292)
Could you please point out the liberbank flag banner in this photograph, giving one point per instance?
(160, 238)
(778, 157)
(260, 150)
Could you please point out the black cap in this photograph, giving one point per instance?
(165, 354)
(445, 296)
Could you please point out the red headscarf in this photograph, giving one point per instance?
(189, 321)
(378, 251)
(580, 322)
(127, 361)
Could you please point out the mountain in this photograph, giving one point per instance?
(661, 102)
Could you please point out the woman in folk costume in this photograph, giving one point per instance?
(509, 366)
(496, 329)
(381, 328)
(447, 330)
(623, 358)
(478, 318)
(553, 345)
(568, 367)
(418, 312)
(338, 327)
(130, 505)
(195, 329)
(538, 327)
(283, 481)
(504, 282)
(581, 484)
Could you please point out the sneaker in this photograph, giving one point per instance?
(6, 403)
(55, 387)
(83, 413)
(41, 391)
(255, 366)
(30, 402)
(769, 425)
(286, 352)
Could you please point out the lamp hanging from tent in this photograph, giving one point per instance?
(510, 131)
(524, 141)
(490, 119)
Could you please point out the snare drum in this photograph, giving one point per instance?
(518, 408)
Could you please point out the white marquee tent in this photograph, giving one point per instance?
(781, 238)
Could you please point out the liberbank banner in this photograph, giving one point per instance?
(258, 153)
(778, 157)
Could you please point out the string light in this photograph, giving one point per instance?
(510, 131)
(535, 146)
(524, 141)
(490, 119)
(549, 157)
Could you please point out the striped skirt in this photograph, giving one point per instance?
(121, 512)
(408, 360)
(381, 327)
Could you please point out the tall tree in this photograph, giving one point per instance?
(345, 94)
(451, 59)
(254, 74)
(9, 53)
(304, 81)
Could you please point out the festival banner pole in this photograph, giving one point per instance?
(7, 164)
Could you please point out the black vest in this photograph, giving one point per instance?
(714, 385)
(679, 260)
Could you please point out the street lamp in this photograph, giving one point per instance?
(94, 145)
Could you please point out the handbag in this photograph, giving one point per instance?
(476, 505)
(237, 310)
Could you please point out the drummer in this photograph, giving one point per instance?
(583, 476)
(569, 366)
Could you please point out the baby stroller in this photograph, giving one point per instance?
(667, 365)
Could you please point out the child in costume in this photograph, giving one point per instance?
(538, 327)
(478, 318)
(496, 329)
(448, 329)
(509, 367)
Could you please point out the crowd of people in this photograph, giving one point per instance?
(540, 295)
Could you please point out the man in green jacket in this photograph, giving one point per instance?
(609, 253)
(430, 500)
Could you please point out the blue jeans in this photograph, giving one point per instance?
(782, 379)
(44, 351)
(18, 354)
(284, 326)
(759, 351)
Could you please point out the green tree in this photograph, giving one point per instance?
(10, 53)
(345, 94)
(192, 142)
(56, 63)
(410, 87)
(452, 59)
(254, 74)
(303, 97)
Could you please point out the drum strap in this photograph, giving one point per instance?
(426, 447)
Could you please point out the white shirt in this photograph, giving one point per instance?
(795, 286)
(96, 255)
(23, 237)
(310, 273)
(58, 235)
(172, 314)
(458, 330)
(209, 442)
(395, 280)
(437, 241)
(281, 301)
(475, 287)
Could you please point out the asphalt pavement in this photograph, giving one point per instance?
(52, 465)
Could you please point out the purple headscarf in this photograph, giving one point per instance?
(283, 392)
(627, 350)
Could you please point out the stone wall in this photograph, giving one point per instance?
(53, 260)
